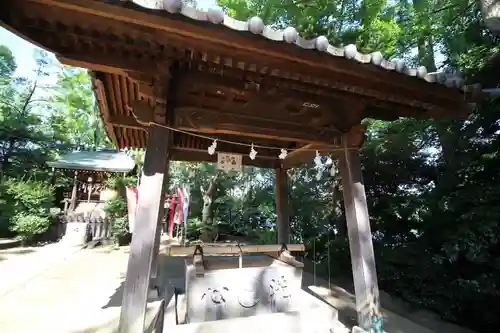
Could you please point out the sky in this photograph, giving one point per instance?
(22, 51)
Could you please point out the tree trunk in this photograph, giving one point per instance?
(208, 231)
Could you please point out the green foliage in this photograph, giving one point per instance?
(7, 64)
(6, 211)
(267, 236)
(119, 230)
(117, 213)
(38, 121)
(119, 183)
(116, 207)
(32, 197)
(27, 226)
(25, 207)
(198, 230)
(194, 228)
(76, 116)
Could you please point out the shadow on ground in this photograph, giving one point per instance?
(108, 327)
(171, 275)
(115, 300)
(17, 251)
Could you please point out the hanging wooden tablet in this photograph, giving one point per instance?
(229, 162)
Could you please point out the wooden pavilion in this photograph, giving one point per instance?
(162, 70)
(90, 169)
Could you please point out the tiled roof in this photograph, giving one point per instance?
(104, 160)
(256, 26)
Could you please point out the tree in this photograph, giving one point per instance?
(22, 135)
(7, 63)
(75, 118)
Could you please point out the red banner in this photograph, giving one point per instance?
(132, 198)
(178, 208)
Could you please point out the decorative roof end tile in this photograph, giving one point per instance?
(215, 15)
(256, 25)
(400, 65)
(321, 43)
(377, 58)
(350, 51)
(421, 72)
(290, 35)
(172, 6)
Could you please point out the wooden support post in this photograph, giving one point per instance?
(74, 192)
(142, 248)
(154, 281)
(360, 240)
(283, 220)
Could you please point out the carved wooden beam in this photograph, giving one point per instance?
(347, 90)
(105, 62)
(215, 122)
(126, 122)
(271, 94)
(92, 66)
(273, 91)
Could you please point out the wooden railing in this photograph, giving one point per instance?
(98, 227)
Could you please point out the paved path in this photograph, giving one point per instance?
(58, 289)
(67, 295)
(17, 265)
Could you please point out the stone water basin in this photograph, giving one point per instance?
(263, 290)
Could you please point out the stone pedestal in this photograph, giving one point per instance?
(264, 296)
(76, 233)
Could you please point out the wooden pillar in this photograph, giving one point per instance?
(155, 279)
(360, 240)
(72, 205)
(283, 220)
(142, 248)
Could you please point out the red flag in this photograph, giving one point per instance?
(132, 198)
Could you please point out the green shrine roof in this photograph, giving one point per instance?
(103, 160)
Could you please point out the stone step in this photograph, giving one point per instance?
(306, 321)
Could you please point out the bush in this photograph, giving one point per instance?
(27, 226)
(22, 198)
(119, 184)
(197, 230)
(267, 236)
(6, 211)
(115, 207)
(117, 212)
(119, 230)
(31, 197)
